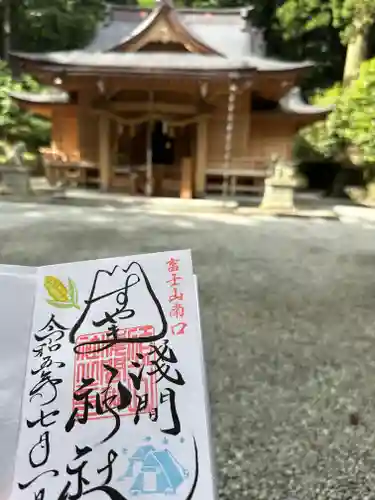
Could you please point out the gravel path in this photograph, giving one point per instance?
(288, 314)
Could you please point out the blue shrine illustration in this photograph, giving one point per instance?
(154, 471)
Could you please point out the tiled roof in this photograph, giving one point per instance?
(109, 35)
(293, 102)
(158, 61)
(227, 33)
(126, 12)
(221, 29)
(53, 97)
(162, 10)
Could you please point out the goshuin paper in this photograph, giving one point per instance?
(17, 288)
(114, 401)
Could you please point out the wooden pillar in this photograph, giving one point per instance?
(186, 184)
(149, 166)
(201, 157)
(149, 188)
(105, 166)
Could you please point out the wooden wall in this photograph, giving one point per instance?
(65, 130)
(88, 127)
(255, 136)
(75, 132)
(270, 135)
(216, 131)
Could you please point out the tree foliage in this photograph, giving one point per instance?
(346, 135)
(351, 16)
(348, 132)
(298, 17)
(354, 116)
(349, 23)
(41, 25)
(320, 140)
(15, 124)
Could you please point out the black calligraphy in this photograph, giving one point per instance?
(77, 485)
(161, 357)
(103, 401)
(133, 275)
(44, 393)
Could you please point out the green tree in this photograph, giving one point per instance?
(44, 25)
(354, 19)
(15, 124)
(354, 117)
(39, 25)
(321, 140)
(351, 20)
(347, 135)
(352, 128)
(130, 2)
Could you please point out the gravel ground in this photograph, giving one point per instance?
(288, 314)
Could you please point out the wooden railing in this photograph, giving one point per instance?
(243, 178)
(53, 155)
(68, 170)
(128, 177)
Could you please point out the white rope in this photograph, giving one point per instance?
(229, 135)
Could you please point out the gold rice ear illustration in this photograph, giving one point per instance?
(60, 295)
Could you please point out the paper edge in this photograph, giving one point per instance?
(8, 269)
(213, 469)
(106, 259)
(31, 277)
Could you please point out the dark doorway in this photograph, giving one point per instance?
(163, 145)
(259, 103)
(163, 47)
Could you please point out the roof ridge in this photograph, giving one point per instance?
(183, 10)
(164, 10)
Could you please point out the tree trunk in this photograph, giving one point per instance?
(6, 29)
(356, 53)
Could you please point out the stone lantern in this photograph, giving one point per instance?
(280, 186)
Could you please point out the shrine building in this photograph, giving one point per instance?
(168, 102)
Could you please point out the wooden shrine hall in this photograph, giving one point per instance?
(168, 102)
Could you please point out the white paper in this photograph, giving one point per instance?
(212, 471)
(19, 270)
(119, 449)
(16, 311)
